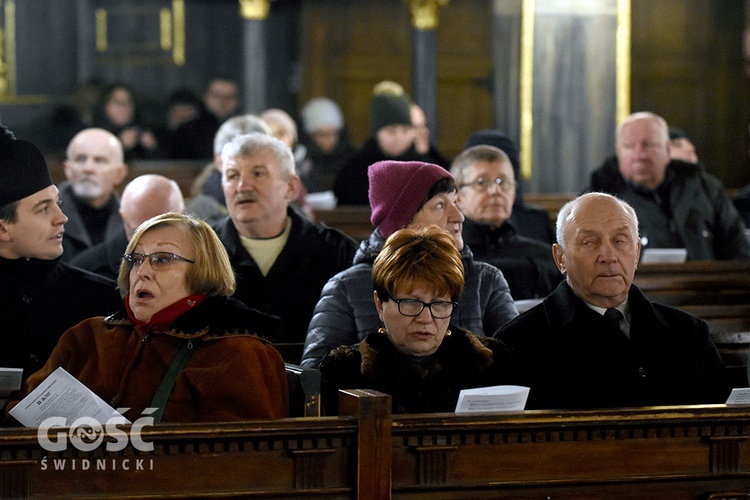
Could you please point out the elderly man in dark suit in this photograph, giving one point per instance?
(597, 341)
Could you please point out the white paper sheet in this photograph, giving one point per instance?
(497, 398)
(740, 396)
(62, 395)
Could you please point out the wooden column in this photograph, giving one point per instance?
(255, 72)
(425, 14)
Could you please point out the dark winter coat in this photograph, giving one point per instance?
(574, 359)
(432, 384)
(689, 210)
(39, 300)
(76, 238)
(104, 258)
(527, 264)
(232, 374)
(313, 253)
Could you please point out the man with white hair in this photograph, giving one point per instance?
(94, 168)
(144, 197)
(597, 341)
(282, 260)
(679, 205)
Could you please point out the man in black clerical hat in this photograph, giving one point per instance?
(40, 297)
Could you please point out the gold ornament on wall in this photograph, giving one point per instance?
(425, 13)
(254, 10)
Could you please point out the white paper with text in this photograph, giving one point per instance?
(497, 398)
(62, 395)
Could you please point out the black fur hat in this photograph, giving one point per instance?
(23, 169)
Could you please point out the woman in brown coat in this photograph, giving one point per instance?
(177, 281)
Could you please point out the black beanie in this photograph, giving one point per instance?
(23, 170)
(391, 106)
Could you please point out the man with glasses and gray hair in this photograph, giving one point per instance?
(487, 192)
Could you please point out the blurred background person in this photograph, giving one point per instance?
(144, 197)
(182, 106)
(117, 113)
(327, 142)
(93, 169)
(391, 138)
(681, 147)
(423, 140)
(194, 140)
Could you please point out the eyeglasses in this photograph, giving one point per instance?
(440, 309)
(158, 260)
(483, 184)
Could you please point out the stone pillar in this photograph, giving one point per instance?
(255, 74)
(425, 15)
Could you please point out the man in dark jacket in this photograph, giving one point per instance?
(392, 138)
(678, 204)
(94, 168)
(597, 341)
(487, 188)
(530, 221)
(40, 297)
(281, 259)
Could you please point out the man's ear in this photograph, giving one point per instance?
(4, 232)
(559, 255)
(294, 185)
(122, 172)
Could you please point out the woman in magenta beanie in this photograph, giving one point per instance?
(404, 194)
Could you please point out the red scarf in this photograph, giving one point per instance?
(164, 318)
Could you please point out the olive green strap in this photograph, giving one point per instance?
(167, 383)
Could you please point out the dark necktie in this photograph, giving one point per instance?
(614, 317)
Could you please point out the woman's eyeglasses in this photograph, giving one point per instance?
(158, 260)
(440, 309)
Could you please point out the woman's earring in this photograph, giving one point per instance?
(448, 333)
(382, 330)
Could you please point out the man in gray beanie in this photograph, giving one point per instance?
(40, 297)
(405, 194)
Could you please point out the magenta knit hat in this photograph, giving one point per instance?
(397, 191)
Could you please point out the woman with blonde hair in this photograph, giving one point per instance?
(180, 343)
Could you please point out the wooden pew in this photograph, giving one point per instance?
(676, 452)
(688, 452)
(350, 219)
(289, 458)
(694, 283)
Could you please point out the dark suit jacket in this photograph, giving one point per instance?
(574, 359)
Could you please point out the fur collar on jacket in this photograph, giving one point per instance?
(215, 317)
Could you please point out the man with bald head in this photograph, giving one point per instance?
(94, 167)
(679, 205)
(597, 341)
(144, 197)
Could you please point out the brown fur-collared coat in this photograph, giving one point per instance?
(232, 375)
(417, 385)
